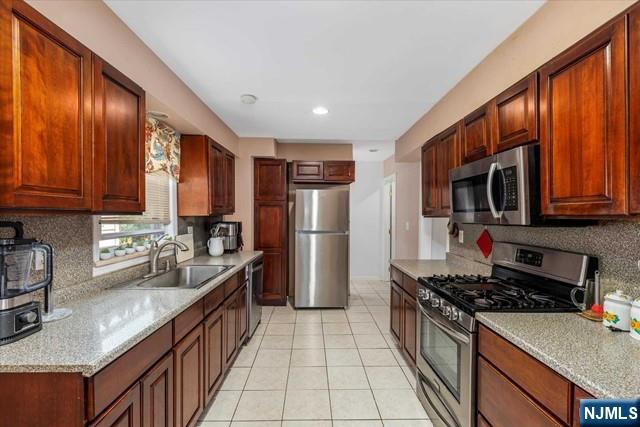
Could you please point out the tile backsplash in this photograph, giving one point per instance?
(615, 243)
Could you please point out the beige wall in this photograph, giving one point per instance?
(407, 210)
(553, 28)
(296, 151)
(389, 166)
(98, 28)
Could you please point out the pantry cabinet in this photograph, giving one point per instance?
(207, 177)
(404, 314)
(583, 143)
(439, 156)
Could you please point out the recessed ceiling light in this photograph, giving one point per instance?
(373, 150)
(249, 99)
(320, 111)
(160, 115)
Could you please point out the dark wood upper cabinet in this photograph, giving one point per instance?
(124, 412)
(270, 179)
(118, 141)
(634, 110)
(307, 170)
(439, 155)
(430, 193)
(516, 114)
(157, 394)
(476, 134)
(45, 114)
(583, 144)
(340, 171)
(189, 378)
(214, 351)
(206, 168)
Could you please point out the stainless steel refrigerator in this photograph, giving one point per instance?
(321, 247)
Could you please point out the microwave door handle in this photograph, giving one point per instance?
(492, 205)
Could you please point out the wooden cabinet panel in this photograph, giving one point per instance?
(45, 114)
(504, 404)
(395, 304)
(634, 110)
(409, 316)
(242, 314)
(270, 219)
(217, 184)
(270, 179)
(189, 378)
(157, 394)
(430, 193)
(274, 283)
(214, 351)
(343, 171)
(409, 285)
(187, 320)
(583, 125)
(543, 384)
(230, 183)
(396, 275)
(578, 394)
(482, 422)
(307, 171)
(476, 134)
(125, 412)
(516, 114)
(213, 299)
(118, 141)
(230, 329)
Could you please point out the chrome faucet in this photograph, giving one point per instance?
(154, 254)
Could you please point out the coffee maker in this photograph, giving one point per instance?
(231, 232)
(26, 265)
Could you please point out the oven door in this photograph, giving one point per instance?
(446, 369)
(470, 200)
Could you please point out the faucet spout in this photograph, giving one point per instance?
(154, 254)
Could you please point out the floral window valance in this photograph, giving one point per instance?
(162, 148)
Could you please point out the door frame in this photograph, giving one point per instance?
(388, 223)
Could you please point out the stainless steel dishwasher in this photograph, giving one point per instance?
(254, 311)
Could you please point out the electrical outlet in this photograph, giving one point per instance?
(189, 230)
(461, 236)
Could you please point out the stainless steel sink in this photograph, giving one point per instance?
(187, 277)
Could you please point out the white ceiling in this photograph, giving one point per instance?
(376, 65)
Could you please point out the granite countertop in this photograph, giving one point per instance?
(602, 362)
(107, 324)
(416, 268)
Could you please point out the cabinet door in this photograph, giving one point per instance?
(578, 394)
(125, 412)
(217, 179)
(230, 329)
(157, 394)
(230, 183)
(118, 141)
(634, 110)
(242, 314)
(189, 378)
(446, 159)
(307, 171)
(409, 317)
(516, 113)
(396, 307)
(339, 171)
(476, 134)
(582, 139)
(270, 236)
(270, 179)
(430, 193)
(45, 114)
(214, 351)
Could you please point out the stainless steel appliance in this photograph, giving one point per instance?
(523, 279)
(231, 232)
(500, 189)
(26, 265)
(321, 247)
(254, 311)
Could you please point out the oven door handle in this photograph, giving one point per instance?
(446, 329)
(492, 204)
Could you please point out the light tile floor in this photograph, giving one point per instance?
(321, 368)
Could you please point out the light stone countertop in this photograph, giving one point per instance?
(604, 363)
(416, 268)
(107, 324)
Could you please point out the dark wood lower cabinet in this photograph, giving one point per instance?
(230, 329)
(409, 318)
(214, 351)
(125, 412)
(404, 314)
(396, 308)
(242, 314)
(189, 378)
(158, 394)
(578, 394)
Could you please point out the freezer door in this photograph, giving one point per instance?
(322, 210)
(322, 269)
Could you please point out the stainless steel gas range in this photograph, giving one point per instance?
(523, 279)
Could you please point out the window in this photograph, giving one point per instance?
(122, 241)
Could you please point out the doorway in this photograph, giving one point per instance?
(388, 223)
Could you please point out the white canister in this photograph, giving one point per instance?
(634, 324)
(216, 246)
(617, 307)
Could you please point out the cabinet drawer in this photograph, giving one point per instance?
(230, 285)
(187, 320)
(578, 394)
(539, 381)
(409, 285)
(396, 275)
(504, 404)
(105, 386)
(213, 299)
(241, 276)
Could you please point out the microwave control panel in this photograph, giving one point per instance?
(511, 188)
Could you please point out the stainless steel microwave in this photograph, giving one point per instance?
(501, 189)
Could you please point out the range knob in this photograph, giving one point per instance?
(27, 317)
(446, 310)
(424, 294)
(454, 314)
(435, 302)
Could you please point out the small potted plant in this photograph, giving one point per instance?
(106, 254)
(129, 249)
(139, 245)
(121, 250)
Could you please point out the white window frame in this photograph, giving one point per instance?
(171, 229)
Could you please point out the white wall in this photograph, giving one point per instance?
(366, 220)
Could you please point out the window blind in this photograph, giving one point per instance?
(156, 203)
